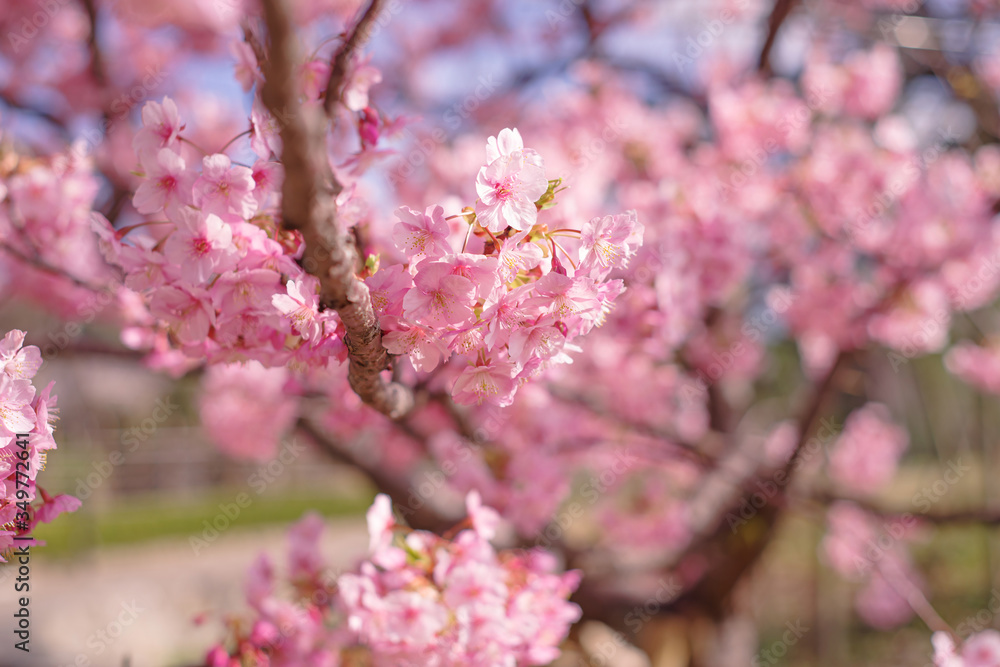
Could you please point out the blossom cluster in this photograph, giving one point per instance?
(223, 285)
(513, 307)
(25, 412)
(424, 600)
(287, 632)
(213, 263)
(45, 228)
(419, 599)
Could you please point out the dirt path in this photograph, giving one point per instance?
(138, 601)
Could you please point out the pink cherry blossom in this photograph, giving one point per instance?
(27, 419)
(865, 455)
(944, 650)
(201, 245)
(491, 382)
(361, 78)
(565, 296)
(368, 127)
(421, 234)
(507, 143)
(484, 519)
(465, 605)
(187, 310)
(267, 179)
(161, 127)
(380, 523)
(480, 270)
(881, 606)
(387, 287)
(168, 183)
(247, 71)
(300, 305)
(439, 298)
(245, 409)
(16, 415)
(514, 257)
(609, 242)
(52, 507)
(505, 314)
(248, 290)
(423, 348)
(978, 365)
(265, 139)
(16, 361)
(982, 649)
(542, 340)
(508, 187)
(313, 77)
(223, 188)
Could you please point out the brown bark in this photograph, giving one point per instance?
(309, 205)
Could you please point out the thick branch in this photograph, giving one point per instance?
(309, 205)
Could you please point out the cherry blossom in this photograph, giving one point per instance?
(509, 185)
(161, 127)
(168, 184)
(222, 188)
(982, 649)
(16, 415)
(472, 605)
(804, 224)
(26, 439)
(300, 305)
(609, 242)
(245, 409)
(19, 362)
(492, 381)
(867, 452)
(202, 245)
(423, 234)
(439, 298)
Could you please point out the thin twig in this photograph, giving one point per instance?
(338, 65)
(44, 266)
(54, 121)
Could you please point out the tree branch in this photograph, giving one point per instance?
(57, 123)
(678, 445)
(342, 57)
(42, 265)
(97, 67)
(781, 10)
(309, 205)
(421, 518)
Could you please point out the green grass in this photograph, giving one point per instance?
(152, 517)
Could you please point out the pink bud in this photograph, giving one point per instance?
(368, 127)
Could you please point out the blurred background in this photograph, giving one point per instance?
(143, 572)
